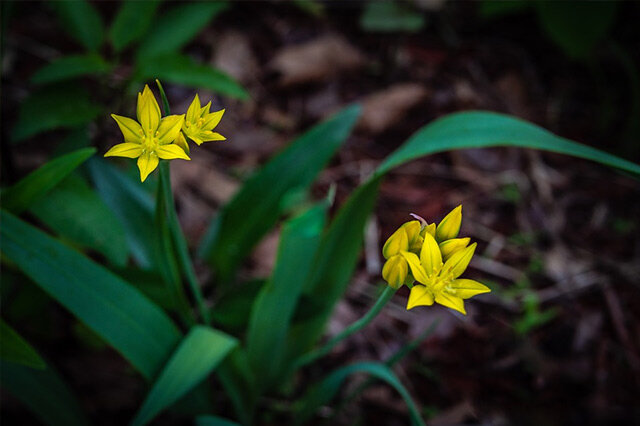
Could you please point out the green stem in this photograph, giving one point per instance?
(177, 237)
(386, 295)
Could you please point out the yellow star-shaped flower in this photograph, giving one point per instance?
(151, 138)
(199, 123)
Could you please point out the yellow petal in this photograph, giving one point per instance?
(416, 244)
(182, 143)
(451, 246)
(419, 296)
(429, 229)
(395, 271)
(194, 135)
(205, 109)
(209, 136)
(171, 152)
(128, 150)
(452, 302)
(458, 262)
(212, 120)
(193, 113)
(430, 256)
(148, 111)
(147, 163)
(169, 128)
(464, 288)
(412, 228)
(416, 268)
(130, 128)
(395, 243)
(450, 225)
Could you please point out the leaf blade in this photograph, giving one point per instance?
(131, 22)
(81, 21)
(17, 350)
(69, 67)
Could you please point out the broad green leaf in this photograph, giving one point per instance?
(39, 182)
(16, 350)
(179, 69)
(332, 267)
(177, 27)
(257, 206)
(54, 107)
(195, 358)
(274, 307)
(391, 16)
(132, 22)
(214, 421)
(116, 311)
(480, 129)
(576, 26)
(70, 67)
(74, 211)
(44, 393)
(131, 204)
(323, 392)
(80, 20)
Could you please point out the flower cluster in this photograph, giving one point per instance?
(153, 138)
(433, 256)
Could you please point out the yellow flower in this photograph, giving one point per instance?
(407, 238)
(438, 281)
(151, 138)
(450, 225)
(199, 123)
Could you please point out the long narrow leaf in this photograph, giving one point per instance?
(44, 393)
(116, 311)
(274, 306)
(479, 129)
(81, 21)
(324, 391)
(35, 185)
(198, 354)
(14, 348)
(69, 67)
(256, 208)
(131, 22)
(214, 421)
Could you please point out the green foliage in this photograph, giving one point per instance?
(180, 69)
(80, 20)
(177, 27)
(112, 308)
(194, 359)
(533, 317)
(133, 20)
(391, 16)
(16, 350)
(54, 107)
(214, 421)
(244, 221)
(44, 393)
(38, 183)
(75, 212)
(70, 67)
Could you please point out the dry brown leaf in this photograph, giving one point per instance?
(384, 109)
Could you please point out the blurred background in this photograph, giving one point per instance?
(556, 342)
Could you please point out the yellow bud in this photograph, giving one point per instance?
(451, 246)
(429, 229)
(413, 229)
(395, 271)
(450, 225)
(398, 241)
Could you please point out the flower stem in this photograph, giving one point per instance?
(384, 297)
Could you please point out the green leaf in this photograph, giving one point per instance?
(44, 393)
(480, 129)
(81, 21)
(576, 26)
(274, 307)
(54, 107)
(232, 311)
(39, 182)
(257, 206)
(391, 16)
(116, 311)
(214, 421)
(333, 267)
(198, 354)
(15, 349)
(74, 211)
(70, 67)
(131, 204)
(177, 27)
(180, 69)
(322, 393)
(132, 22)
(490, 9)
